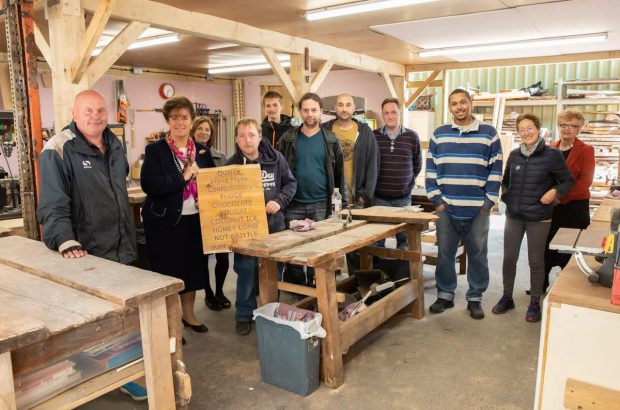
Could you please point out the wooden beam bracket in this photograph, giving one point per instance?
(278, 70)
(422, 87)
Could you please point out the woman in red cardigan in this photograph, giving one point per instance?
(573, 210)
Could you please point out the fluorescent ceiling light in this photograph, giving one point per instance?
(359, 7)
(514, 45)
(247, 61)
(249, 67)
(142, 42)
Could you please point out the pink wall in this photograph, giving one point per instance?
(356, 82)
(143, 93)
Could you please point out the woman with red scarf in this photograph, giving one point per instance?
(170, 212)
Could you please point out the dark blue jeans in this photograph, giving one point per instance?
(316, 211)
(475, 234)
(247, 286)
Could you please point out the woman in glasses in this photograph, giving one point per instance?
(572, 210)
(535, 176)
(170, 212)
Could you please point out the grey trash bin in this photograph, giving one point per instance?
(289, 351)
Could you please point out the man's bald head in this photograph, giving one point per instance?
(345, 107)
(90, 114)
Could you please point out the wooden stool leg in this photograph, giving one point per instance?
(415, 267)
(156, 351)
(267, 281)
(7, 390)
(331, 353)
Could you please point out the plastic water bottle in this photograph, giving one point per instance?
(336, 205)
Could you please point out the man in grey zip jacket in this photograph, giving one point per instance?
(361, 154)
(83, 204)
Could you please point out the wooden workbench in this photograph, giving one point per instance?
(579, 359)
(53, 308)
(320, 249)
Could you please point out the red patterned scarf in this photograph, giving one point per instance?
(191, 187)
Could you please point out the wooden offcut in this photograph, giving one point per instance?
(232, 206)
(585, 396)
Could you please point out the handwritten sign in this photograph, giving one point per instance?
(232, 206)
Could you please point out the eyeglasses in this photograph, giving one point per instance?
(179, 117)
(528, 129)
(571, 126)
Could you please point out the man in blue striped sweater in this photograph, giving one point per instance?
(463, 175)
(400, 162)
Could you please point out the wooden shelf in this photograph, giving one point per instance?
(552, 102)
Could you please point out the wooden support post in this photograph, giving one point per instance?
(43, 46)
(65, 27)
(7, 390)
(300, 77)
(156, 352)
(267, 281)
(422, 87)
(331, 353)
(320, 75)
(390, 85)
(278, 70)
(415, 268)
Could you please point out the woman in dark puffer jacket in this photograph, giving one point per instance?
(535, 176)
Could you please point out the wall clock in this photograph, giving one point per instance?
(166, 90)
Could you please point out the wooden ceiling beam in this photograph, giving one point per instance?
(565, 58)
(278, 70)
(320, 75)
(421, 88)
(206, 26)
(89, 41)
(390, 85)
(43, 46)
(114, 50)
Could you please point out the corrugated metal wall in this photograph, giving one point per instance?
(494, 79)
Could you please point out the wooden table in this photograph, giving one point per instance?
(579, 359)
(54, 307)
(136, 201)
(320, 249)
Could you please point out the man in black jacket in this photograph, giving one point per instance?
(360, 152)
(279, 186)
(275, 123)
(83, 203)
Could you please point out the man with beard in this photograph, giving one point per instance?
(315, 156)
(463, 175)
(361, 156)
(275, 123)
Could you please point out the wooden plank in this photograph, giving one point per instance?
(115, 49)
(603, 213)
(323, 250)
(267, 281)
(393, 214)
(590, 241)
(91, 37)
(206, 26)
(93, 388)
(278, 70)
(17, 330)
(156, 353)
(370, 318)
(320, 75)
(305, 290)
(415, 270)
(287, 239)
(419, 83)
(7, 390)
(74, 340)
(565, 239)
(580, 395)
(331, 351)
(124, 285)
(390, 253)
(421, 88)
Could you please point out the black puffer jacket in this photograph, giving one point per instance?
(526, 180)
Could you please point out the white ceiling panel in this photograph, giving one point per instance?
(520, 23)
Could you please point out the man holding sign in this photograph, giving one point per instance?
(279, 187)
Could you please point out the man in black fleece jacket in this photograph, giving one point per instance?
(279, 187)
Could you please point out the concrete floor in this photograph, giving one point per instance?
(446, 361)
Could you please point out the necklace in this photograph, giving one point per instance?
(565, 148)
